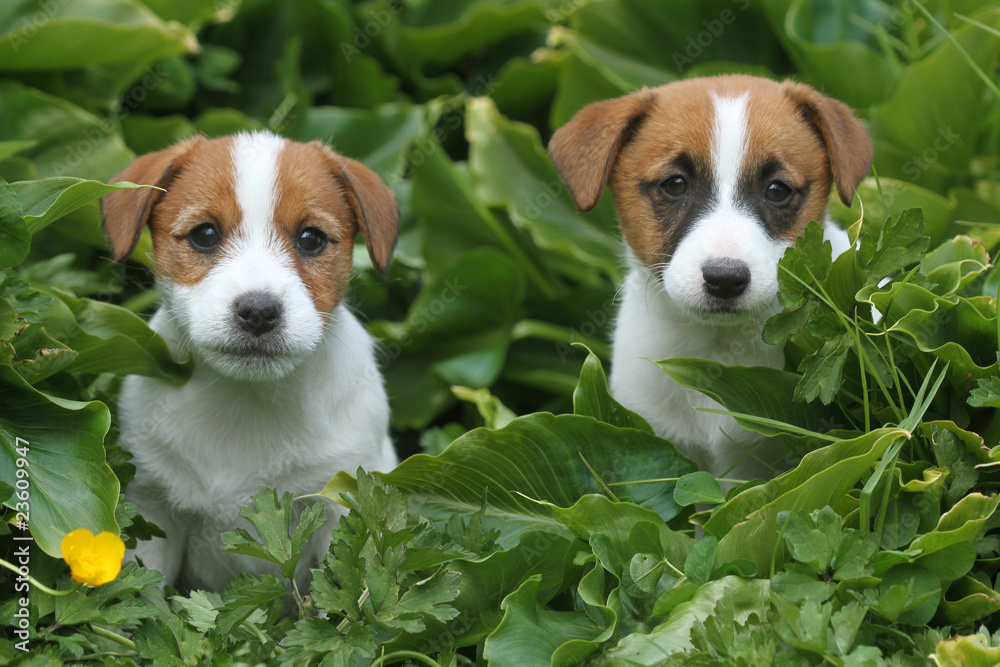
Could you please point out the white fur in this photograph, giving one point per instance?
(290, 420)
(664, 314)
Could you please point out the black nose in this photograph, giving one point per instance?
(258, 313)
(725, 278)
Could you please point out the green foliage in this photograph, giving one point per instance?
(550, 526)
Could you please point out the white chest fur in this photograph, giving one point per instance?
(203, 449)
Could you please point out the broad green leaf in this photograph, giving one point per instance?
(926, 132)
(592, 398)
(812, 537)
(701, 560)
(530, 634)
(45, 201)
(512, 169)
(759, 391)
(77, 34)
(457, 332)
(9, 148)
(106, 338)
(539, 456)
(909, 594)
(966, 651)
(15, 240)
(381, 138)
(68, 140)
(967, 601)
(698, 487)
(829, 47)
(747, 525)
(70, 484)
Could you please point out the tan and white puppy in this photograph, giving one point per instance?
(252, 243)
(713, 178)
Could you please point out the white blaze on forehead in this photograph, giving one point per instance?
(729, 144)
(255, 163)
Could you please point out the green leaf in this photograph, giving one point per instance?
(909, 594)
(986, 394)
(113, 603)
(592, 399)
(45, 201)
(900, 243)
(758, 390)
(272, 520)
(530, 634)
(813, 538)
(698, 487)
(749, 596)
(78, 34)
(512, 169)
(243, 596)
(747, 524)
(494, 413)
(538, 456)
(701, 561)
(807, 263)
(967, 651)
(61, 440)
(15, 240)
(822, 372)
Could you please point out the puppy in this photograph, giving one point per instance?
(713, 178)
(252, 242)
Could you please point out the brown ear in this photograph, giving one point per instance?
(847, 141)
(125, 212)
(584, 150)
(374, 206)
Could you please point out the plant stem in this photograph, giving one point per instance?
(397, 655)
(37, 584)
(113, 636)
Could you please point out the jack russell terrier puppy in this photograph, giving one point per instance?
(252, 243)
(713, 178)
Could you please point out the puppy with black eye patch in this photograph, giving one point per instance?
(253, 239)
(713, 178)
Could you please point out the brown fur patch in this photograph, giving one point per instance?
(202, 191)
(810, 139)
(308, 195)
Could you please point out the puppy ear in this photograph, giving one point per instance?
(374, 206)
(585, 149)
(847, 142)
(125, 212)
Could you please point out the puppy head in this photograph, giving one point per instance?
(713, 179)
(252, 241)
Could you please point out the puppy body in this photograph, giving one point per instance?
(253, 242)
(713, 180)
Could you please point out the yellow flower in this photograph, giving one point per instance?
(93, 560)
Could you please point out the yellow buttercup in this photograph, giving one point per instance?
(93, 560)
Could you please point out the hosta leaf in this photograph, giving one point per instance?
(15, 240)
(45, 201)
(542, 457)
(592, 398)
(71, 485)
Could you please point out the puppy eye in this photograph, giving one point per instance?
(205, 237)
(778, 192)
(311, 241)
(674, 186)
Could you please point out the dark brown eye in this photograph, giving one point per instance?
(206, 237)
(674, 186)
(778, 193)
(311, 241)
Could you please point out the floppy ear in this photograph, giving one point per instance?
(125, 212)
(374, 206)
(584, 150)
(847, 142)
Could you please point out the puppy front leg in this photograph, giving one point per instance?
(165, 554)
